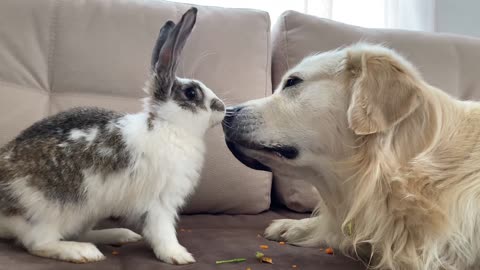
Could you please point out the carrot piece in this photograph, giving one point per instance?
(281, 243)
(329, 251)
(263, 246)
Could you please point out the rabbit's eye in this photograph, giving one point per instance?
(190, 93)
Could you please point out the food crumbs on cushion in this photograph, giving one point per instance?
(294, 266)
(267, 260)
(321, 249)
(281, 243)
(248, 268)
(259, 255)
(182, 230)
(329, 251)
(115, 252)
(263, 246)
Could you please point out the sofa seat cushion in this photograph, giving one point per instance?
(209, 238)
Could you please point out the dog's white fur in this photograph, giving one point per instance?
(396, 160)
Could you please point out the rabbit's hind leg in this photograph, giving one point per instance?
(69, 251)
(44, 240)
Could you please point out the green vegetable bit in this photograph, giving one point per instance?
(259, 255)
(237, 260)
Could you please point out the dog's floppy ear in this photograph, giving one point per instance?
(384, 91)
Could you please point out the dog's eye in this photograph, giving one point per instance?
(292, 81)
(190, 93)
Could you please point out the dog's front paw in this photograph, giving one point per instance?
(175, 255)
(289, 230)
(277, 229)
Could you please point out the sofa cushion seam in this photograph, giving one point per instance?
(285, 52)
(52, 41)
(268, 62)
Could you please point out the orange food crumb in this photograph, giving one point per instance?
(329, 251)
(115, 252)
(294, 266)
(263, 246)
(281, 243)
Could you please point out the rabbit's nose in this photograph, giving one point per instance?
(217, 105)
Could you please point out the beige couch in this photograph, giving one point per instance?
(57, 54)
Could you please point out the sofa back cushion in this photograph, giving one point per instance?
(446, 61)
(56, 55)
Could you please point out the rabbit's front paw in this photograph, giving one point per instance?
(124, 236)
(115, 236)
(175, 255)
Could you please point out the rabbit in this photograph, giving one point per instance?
(65, 173)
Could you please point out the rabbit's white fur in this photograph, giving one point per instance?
(166, 167)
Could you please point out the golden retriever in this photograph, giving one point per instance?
(396, 160)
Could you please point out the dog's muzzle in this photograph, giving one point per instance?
(232, 140)
(238, 141)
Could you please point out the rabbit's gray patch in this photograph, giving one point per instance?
(178, 92)
(80, 139)
(9, 203)
(160, 86)
(157, 86)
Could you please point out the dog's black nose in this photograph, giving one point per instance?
(230, 114)
(234, 109)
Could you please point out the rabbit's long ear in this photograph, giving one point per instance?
(171, 50)
(162, 37)
(167, 51)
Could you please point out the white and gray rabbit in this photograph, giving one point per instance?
(65, 173)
